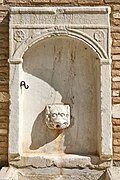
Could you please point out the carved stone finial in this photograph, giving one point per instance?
(57, 116)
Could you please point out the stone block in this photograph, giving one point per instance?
(23, 1)
(116, 157)
(4, 35)
(116, 111)
(115, 22)
(3, 69)
(60, 161)
(117, 79)
(4, 82)
(3, 125)
(115, 72)
(116, 57)
(63, 1)
(90, 2)
(116, 100)
(4, 9)
(4, 106)
(116, 121)
(116, 7)
(116, 135)
(3, 76)
(3, 138)
(3, 119)
(116, 128)
(116, 85)
(40, 1)
(115, 29)
(82, 176)
(116, 36)
(10, 1)
(113, 1)
(4, 112)
(115, 93)
(4, 43)
(3, 131)
(116, 43)
(4, 50)
(116, 142)
(116, 64)
(116, 149)
(3, 57)
(3, 62)
(4, 97)
(3, 144)
(4, 87)
(3, 157)
(113, 173)
(3, 150)
(52, 173)
(115, 50)
(116, 15)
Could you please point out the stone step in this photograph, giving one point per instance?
(113, 173)
(51, 173)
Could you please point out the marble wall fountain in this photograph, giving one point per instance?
(60, 93)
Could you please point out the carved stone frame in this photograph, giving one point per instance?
(93, 30)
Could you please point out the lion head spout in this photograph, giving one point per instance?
(57, 116)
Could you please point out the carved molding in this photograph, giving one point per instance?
(55, 21)
(77, 34)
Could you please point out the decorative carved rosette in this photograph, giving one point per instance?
(19, 35)
(98, 36)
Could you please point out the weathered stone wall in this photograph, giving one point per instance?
(4, 67)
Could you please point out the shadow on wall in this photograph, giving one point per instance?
(46, 135)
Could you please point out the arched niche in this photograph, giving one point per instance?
(61, 70)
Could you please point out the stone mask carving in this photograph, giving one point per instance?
(58, 116)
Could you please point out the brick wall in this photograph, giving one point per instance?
(4, 97)
(4, 67)
(115, 33)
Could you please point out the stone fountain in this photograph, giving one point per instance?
(60, 93)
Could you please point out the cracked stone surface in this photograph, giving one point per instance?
(51, 173)
(61, 161)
